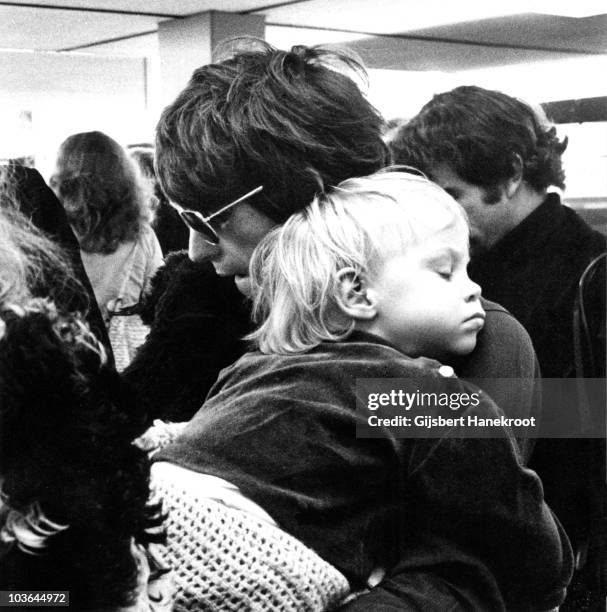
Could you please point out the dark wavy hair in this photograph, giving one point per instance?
(102, 191)
(144, 158)
(289, 120)
(479, 133)
(67, 464)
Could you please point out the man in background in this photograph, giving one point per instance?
(498, 158)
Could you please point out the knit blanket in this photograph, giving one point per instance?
(226, 559)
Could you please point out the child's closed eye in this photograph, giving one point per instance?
(444, 263)
(444, 268)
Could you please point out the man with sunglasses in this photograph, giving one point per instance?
(247, 143)
(203, 229)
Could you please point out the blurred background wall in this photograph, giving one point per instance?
(76, 65)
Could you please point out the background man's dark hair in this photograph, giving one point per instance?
(287, 120)
(479, 133)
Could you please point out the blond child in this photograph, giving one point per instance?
(276, 504)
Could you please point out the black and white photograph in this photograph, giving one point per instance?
(303, 305)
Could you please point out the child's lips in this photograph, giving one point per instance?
(476, 320)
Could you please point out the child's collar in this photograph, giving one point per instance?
(363, 336)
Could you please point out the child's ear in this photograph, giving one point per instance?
(352, 296)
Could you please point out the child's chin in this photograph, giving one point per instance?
(465, 346)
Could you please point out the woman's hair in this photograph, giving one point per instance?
(30, 263)
(294, 270)
(144, 158)
(264, 116)
(102, 191)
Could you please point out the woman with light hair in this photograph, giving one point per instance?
(109, 210)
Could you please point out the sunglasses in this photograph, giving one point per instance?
(199, 223)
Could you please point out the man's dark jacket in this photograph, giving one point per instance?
(534, 272)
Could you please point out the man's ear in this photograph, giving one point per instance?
(514, 182)
(352, 296)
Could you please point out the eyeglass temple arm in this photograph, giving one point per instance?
(240, 199)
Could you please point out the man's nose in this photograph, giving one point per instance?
(199, 249)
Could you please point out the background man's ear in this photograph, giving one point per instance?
(514, 182)
(352, 297)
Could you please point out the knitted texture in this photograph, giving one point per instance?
(127, 334)
(225, 559)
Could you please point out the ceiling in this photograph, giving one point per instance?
(389, 33)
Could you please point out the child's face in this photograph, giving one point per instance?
(426, 303)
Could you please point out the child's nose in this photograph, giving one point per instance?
(473, 291)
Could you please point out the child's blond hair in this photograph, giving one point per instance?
(294, 270)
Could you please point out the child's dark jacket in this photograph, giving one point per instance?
(459, 523)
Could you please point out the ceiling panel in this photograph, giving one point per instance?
(280, 36)
(145, 45)
(495, 23)
(547, 31)
(42, 29)
(386, 16)
(401, 54)
(90, 25)
(157, 7)
(284, 37)
(78, 24)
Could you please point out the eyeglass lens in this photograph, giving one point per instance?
(193, 220)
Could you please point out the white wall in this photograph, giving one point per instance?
(68, 93)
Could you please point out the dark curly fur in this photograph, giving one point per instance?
(198, 321)
(66, 425)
